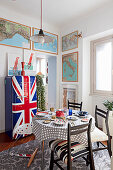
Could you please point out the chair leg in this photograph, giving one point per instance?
(87, 162)
(109, 148)
(98, 144)
(92, 167)
(52, 160)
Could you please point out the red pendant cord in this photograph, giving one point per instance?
(41, 14)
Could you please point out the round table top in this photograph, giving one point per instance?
(44, 131)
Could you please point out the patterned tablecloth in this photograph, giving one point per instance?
(50, 131)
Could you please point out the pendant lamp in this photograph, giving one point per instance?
(41, 37)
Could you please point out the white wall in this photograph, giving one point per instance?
(52, 82)
(4, 50)
(87, 99)
(100, 21)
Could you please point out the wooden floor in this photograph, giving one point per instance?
(6, 142)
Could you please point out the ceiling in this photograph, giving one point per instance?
(55, 12)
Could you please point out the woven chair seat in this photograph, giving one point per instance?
(97, 135)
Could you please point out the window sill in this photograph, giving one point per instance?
(101, 94)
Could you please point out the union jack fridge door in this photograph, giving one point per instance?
(24, 104)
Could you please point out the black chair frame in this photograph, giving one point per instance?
(75, 131)
(75, 105)
(105, 115)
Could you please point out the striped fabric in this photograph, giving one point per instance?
(60, 148)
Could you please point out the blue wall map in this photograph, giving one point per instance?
(47, 47)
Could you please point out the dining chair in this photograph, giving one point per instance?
(75, 105)
(69, 150)
(98, 135)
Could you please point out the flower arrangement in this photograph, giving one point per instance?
(108, 105)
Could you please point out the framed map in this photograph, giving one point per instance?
(68, 94)
(14, 64)
(51, 47)
(70, 67)
(70, 41)
(14, 34)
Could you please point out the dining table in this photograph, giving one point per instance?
(44, 127)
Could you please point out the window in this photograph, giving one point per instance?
(101, 66)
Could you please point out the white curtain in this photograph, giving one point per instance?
(104, 66)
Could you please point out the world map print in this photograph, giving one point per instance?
(14, 34)
(70, 41)
(51, 47)
(70, 67)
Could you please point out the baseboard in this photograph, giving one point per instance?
(2, 131)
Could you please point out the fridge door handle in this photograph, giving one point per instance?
(19, 97)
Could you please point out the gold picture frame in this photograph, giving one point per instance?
(70, 67)
(46, 47)
(18, 34)
(70, 41)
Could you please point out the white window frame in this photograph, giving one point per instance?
(93, 44)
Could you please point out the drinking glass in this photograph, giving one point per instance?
(70, 112)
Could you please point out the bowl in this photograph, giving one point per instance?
(83, 113)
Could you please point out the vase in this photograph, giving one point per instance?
(23, 72)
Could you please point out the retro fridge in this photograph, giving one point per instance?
(20, 105)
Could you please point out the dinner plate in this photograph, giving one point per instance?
(83, 113)
(59, 122)
(84, 120)
(46, 121)
(82, 116)
(52, 119)
(41, 114)
(72, 118)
